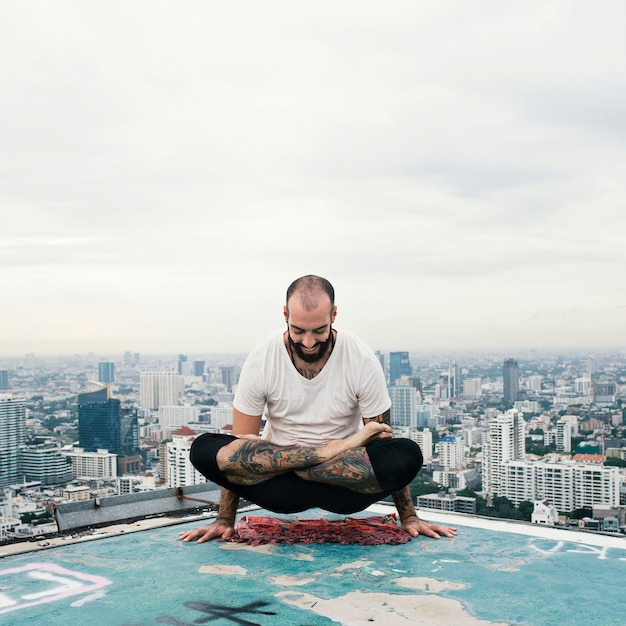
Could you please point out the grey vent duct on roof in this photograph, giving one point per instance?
(99, 511)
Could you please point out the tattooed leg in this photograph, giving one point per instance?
(246, 462)
(251, 461)
(352, 470)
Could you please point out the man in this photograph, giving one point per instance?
(327, 441)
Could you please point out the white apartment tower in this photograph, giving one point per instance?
(180, 471)
(567, 484)
(472, 388)
(221, 415)
(424, 439)
(92, 465)
(160, 389)
(505, 442)
(451, 452)
(564, 436)
(173, 417)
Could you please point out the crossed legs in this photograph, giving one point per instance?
(343, 476)
(250, 460)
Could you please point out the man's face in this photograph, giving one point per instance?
(310, 330)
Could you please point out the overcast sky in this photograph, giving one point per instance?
(456, 169)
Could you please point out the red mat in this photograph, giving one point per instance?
(365, 531)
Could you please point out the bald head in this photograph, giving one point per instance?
(311, 290)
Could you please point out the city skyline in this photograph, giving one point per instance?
(454, 170)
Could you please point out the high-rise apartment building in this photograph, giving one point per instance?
(159, 389)
(455, 384)
(12, 437)
(451, 452)
(180, 471)
(129, 432)
(106, 372)
(424, 439)
(99, 421)
(510, 375)
(534, 382)
(566, 484)
(399, 365)
(604, 393)
(131, 358)
(403, 406)
(424, 414)
(582, 386)
(450, 383)
(92, 465)
(221, 415)
(173, 417)
(572, 420)
(472, 388)
(564, 436)
(505, 442)
(4, 380)
(45, 463)
(228, 377)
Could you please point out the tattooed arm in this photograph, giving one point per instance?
(250, 460)
(224, 524)
(409, 519)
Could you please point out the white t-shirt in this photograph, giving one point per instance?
(307, 412)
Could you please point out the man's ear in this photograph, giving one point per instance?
(333, 315)
(286, 313)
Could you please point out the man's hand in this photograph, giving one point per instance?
(219, 528)
(415, 526)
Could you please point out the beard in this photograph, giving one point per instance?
(316, 356)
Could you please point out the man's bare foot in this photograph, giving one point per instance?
(370, 432)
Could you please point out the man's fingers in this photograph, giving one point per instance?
(206, 533)
(427, 529)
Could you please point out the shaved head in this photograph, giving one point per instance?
(310, 290)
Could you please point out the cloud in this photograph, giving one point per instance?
(168, 170)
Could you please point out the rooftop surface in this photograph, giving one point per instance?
(491, 573)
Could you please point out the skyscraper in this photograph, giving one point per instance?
(12, 437)
(99, 421)
(106, 372)
(180, 471)
(505, 442)
(399, 365)
(564, 436)
(510, 375)
(131, 358)
(4, 379)
(403, 406)
(424, 438)
(129, 431)
(159, 389)
(454, 380)
(228, 377)
(451, 452)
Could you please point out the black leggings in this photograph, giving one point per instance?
(395, 462)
